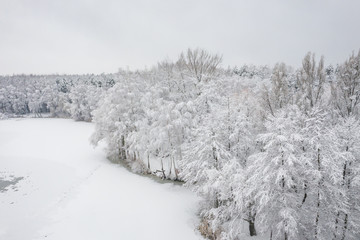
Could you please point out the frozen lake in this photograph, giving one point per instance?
(55, 185)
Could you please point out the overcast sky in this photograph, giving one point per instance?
(78, 36)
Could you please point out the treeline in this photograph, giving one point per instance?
(275, 148)
(67, 96)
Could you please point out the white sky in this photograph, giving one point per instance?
(78, 36)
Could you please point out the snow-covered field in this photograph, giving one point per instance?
(55, 185)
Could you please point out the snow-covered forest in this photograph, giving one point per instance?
(275, 148)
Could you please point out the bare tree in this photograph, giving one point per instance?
(310, 82)
(278, 95)
(200, 63)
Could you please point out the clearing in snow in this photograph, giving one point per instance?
(55, 185)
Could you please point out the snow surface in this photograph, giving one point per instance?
(57, 186)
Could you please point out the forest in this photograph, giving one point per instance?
(275, 148)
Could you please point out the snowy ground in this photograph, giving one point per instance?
(54, 185)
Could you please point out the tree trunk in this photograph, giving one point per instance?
(170, 168)
(336, 224)
(317, 221)
(251, 221)
(347, 186)
(175, 170)
(318, 199)
(122, 149)
(162, 169)
(345, 227)
(305, 194)
(252, 228)
(148, 163)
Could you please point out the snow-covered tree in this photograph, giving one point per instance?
(346, 89)
(116, 117)
(322, 196)
(347, 224)
(276, 174)
(83, 100)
